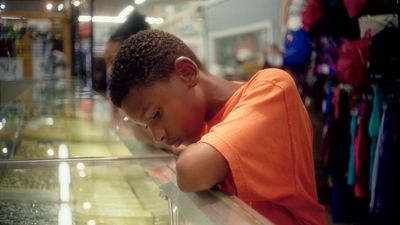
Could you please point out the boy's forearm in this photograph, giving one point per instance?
(199, 167)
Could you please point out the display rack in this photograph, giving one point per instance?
(27, 54)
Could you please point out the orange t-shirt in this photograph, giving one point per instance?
(265, 134)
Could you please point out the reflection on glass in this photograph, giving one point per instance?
(87, 205)
(50, 121)
(64, 179)
(2, 123)
(50, 152)
(80, 166)
(82, 173)
(62, 151)
(91, 222)
(65, 215)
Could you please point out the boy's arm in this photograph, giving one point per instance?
(199, 167)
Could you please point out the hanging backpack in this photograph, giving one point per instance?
(297, 47)
(352, 63)
(354, 7)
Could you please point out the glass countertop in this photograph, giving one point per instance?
(110, 190)
(81, 191)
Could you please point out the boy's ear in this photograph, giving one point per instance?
(187, 70)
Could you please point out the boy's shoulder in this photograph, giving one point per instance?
(277, 77)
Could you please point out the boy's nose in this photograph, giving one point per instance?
(158, 133)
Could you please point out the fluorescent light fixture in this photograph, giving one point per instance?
(84, 18)
(138, 2)
(154, 20)
(117, 19)
(49, 6)
(2, 6)
(10, 17)
(126, 11)
(102, 19)
(108, 19)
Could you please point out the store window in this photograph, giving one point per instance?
(238, 54)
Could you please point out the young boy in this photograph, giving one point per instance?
(252, 140)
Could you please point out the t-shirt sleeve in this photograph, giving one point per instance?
(255, 138)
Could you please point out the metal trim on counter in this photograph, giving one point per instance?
(91, 161)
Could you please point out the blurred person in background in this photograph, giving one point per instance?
(133, 24)
(274, 57)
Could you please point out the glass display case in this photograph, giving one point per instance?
(66, 159)
(10, 124)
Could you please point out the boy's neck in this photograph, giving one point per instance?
(217, 91)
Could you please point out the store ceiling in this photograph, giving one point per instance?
(113, 7)
(153, 8)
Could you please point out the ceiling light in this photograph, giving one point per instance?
(126, 11)
(108, 19)
(154, 20)
(60, 7)
(84, 18)
(49, 6)
(10, 18)
(2, 6)
(76, 3)
(138, 2)
(102, 19)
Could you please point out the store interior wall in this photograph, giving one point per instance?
(230, 14)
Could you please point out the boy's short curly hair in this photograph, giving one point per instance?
(144, 58)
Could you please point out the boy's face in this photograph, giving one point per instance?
(173, 111)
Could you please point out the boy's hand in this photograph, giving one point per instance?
(177, 150)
